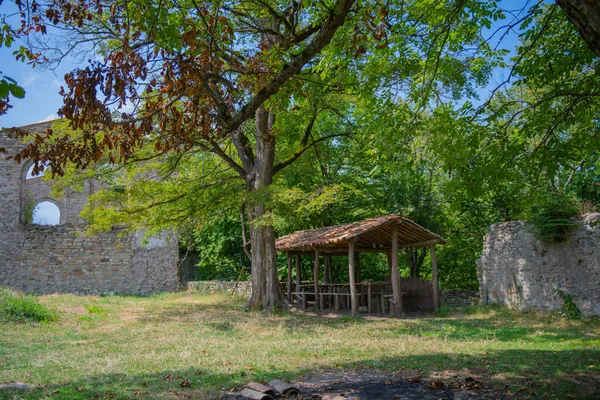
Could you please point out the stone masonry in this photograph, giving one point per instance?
(459, 298)
(519, 270)
(62, 258)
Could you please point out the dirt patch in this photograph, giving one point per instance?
(78, 310)
(368, 384)
(131, 315)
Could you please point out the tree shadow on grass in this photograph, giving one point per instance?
(523, 373)
(490, 326)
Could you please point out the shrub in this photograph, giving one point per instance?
(19, 307)
(570, 309)
(552, 217)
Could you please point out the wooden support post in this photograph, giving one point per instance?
(298, 273)
(395, 273)
(369, 306)
(289, 277)
(358, 277)
(326, 280)
(351, 273)
(434, 279)
(316, 278)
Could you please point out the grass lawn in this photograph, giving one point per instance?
(136, 347)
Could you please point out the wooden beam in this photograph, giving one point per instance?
(434, 279)
(351, 274)
(316, 278)
(396, 273)
(340, 249)
(289, 278)
(298, 272)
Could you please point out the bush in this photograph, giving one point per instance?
(552, 218)
(570, 309)
(19, 307)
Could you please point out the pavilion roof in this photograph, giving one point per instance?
(372, 234)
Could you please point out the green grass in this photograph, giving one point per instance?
(19, 307)
(135, 347)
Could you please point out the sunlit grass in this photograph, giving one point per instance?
(136, 347)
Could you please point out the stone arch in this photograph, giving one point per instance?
(26, 170)
(29, 172)
(33, 191)
(47, 212)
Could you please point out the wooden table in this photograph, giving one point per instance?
(340, 292)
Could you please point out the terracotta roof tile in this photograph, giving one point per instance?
(377, 230)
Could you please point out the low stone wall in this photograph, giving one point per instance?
(519, 270)
(62, 259)
(242, 288)
(456, 298)
(459, 298)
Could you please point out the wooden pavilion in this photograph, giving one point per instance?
(384, 234)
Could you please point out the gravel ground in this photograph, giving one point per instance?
(366, 384)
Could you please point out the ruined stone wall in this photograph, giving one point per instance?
(71, 204)
(49, 259)
(242, 288)
(459, 298)
(61, 259)
(519, 270)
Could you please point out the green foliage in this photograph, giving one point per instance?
(552, 217)
(219, 244)
(9, 86)
(570, 309)
(96, 310)
(29, 207)
(19, 307)
(585, 184)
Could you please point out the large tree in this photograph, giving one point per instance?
(585, 15)
(195, 73)
(209, 82)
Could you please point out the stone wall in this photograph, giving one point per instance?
(242, 288)
(459, 298)
(519, 270)
(61, 259)
(49, 259)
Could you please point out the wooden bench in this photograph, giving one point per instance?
(336, 298)
(301, 298)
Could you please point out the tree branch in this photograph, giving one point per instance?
(335, 20)
(298, 153)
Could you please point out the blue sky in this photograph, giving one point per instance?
(42, 100)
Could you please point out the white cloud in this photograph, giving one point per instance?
(47, 118)
(29, 79)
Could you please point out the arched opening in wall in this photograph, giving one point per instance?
(30, 173)
(46, 213)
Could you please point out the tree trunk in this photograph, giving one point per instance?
(585, 15)
(265, 280)
(415, 260)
